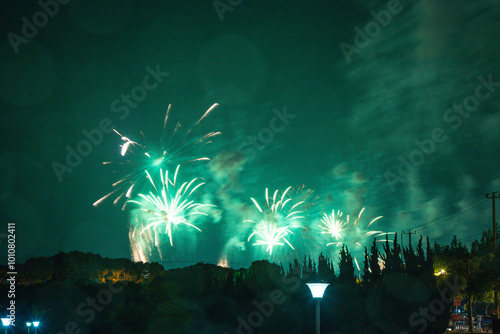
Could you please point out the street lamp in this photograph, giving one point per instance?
(6, 323)
(35, 324)
(28, 324)
(317, 290)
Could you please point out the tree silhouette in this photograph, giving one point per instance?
(346, 267)
(326, 271)
(372, 271)
(392, 259)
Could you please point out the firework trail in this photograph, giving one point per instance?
(141, 244)
(175, 147)
(170, 207)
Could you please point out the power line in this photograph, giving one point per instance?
(445, 218)
(468, 238)
(472, 237)
(454, 212)
(463, 209)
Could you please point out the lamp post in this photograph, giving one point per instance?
(28, 324)
(35, 324)
(317, 290)
(6, 323)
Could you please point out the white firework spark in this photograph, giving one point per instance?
(170, 206)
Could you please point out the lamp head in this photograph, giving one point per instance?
(6, 321)
(36, 323)
(317, 289)
(28, 324)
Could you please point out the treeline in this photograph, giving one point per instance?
(476, 269)
(83, 268)
(395, 292)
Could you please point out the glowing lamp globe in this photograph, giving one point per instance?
(6, 321)
(36, 323)
(317, 289)
(28, 324)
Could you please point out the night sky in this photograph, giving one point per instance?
(392, 106)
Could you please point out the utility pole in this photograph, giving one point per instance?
(402, 246)
(469, 302)
(492, 197)
(409, 236)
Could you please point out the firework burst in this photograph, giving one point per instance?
(271, 236)
(278, 220)
(170, 207)
(354, 236)
(333, 224)
(175, 147)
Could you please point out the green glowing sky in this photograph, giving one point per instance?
(378, 104)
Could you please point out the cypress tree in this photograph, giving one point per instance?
(346, 267)
(374, 262)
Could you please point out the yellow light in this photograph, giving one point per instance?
(440, 272)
